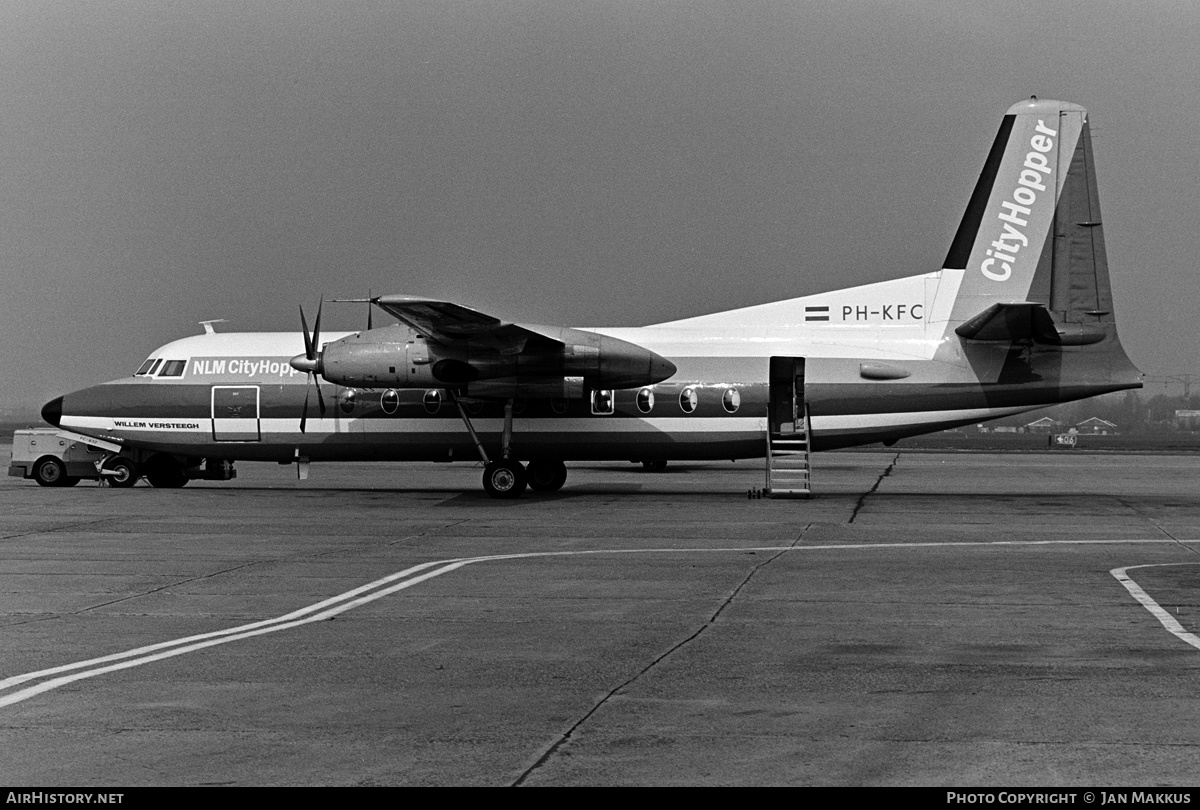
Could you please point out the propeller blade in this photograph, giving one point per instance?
(308, 347)
(304, 413)
(370, 309)
(320, 399)
(316, 336)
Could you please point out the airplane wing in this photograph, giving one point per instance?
(447, 323)
(464, 346)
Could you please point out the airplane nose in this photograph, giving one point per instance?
(52, 411)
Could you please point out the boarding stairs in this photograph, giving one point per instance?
(789, 457)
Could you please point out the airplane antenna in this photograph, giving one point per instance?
(369, 301)
(208, 326)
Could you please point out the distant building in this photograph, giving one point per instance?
(1096, 426)
(1187, 420)
(1043, 425)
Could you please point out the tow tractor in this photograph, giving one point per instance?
(62, 458)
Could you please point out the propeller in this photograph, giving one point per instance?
(310, 362)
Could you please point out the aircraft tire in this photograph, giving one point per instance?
(547, 476)
(504, 479)
(655, 465)
(164, 472)
(125, 473)
(51, 472)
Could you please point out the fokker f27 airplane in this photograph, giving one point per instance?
(1019, 317)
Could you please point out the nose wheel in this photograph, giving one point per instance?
(120, 472)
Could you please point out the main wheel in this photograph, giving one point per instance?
(51, 472)
(547, 476)
(164, 472)
(124, 473)
(504, 479)
(657, 465)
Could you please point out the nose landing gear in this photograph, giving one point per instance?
(120, 472)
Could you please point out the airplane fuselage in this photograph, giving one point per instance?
(1020, 317)
(879, 364)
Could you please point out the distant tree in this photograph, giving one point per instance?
(1160, 411)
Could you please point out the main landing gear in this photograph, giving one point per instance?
(504, 479)
(547, 476)
(507, 477)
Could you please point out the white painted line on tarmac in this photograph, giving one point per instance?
(1166, 619)
(365, 594)
(181, 645)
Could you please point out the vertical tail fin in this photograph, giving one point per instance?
(1032, 230)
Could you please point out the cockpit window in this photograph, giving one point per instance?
(145, 369)
(172, 368)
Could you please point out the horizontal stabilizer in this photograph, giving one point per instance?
(1019, 322)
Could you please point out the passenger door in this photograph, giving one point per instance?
(786, 405)
(235, 410)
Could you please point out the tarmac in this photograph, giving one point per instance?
(948, 619)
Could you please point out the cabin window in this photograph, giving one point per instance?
(645, 400)
(348, 400)
(731, 400)
(172, 368)
(602, 402)
(559, 406)
(145, 369)
(688, 400)
(518, 407)
(433, 400)
(390, 401)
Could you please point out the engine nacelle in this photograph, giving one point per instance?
(381, 358)
(396, 357)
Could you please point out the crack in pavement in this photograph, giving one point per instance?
(862, 499)
(566, 736)
(256, 562)
(62, 528)
(1153, 522)
(165, 587)
(59, 615)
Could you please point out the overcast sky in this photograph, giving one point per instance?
(593, 163)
